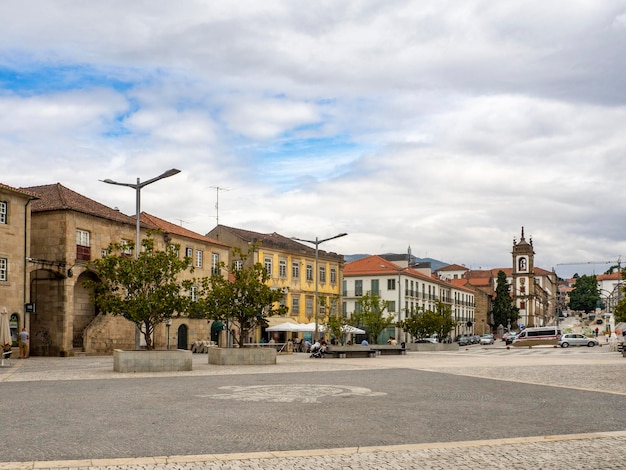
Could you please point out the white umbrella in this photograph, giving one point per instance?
(5, 330)
(288, 326)
(344, 329)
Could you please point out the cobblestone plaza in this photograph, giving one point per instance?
(475, 408)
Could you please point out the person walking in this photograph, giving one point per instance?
(24, 337)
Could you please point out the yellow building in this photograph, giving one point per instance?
(292, 270)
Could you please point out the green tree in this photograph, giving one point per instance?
(503, 312)
(335, 326)
(373, 316)
(245, 300)
(422, 323)
(144, 290)
(585, 296)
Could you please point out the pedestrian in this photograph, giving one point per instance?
(24, 337)
(597, 331)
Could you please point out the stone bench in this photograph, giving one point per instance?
(350, 351)
(388, 349)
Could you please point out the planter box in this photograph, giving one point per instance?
(242, 356)
(431, 347)
(151, 361)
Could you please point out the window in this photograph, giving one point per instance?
(82, 237)
(295, 270)
(333, 275)
(295, 305)
(215, 263)
(189, 252)
(268, 265)
(322, 274)
(375, 287)
(199, 255)
(358, 287)
(193, 293)
(309, 306)
(323, 301)
(83, 250)
(4, 210)
(282, 268)
(334, 304)
(391, 306)
(238, 265)
(126, 247)
(3, 269)
(309, 272)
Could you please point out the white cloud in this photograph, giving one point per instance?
(445, 126)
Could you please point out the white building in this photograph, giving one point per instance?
(405, 289)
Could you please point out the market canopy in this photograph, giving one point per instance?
(289, 326)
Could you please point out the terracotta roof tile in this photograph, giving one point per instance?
(453, 267)
(16, 190)
(278, 241)
(56, 197)
(177, 229)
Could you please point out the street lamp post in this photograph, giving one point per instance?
(137, 187)
(168, 324)
(317, 243)
(399, 291)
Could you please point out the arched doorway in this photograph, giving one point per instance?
(182, 337)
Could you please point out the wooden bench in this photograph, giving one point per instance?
(388, 349)
(350, 351)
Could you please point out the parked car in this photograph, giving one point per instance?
(510, 337)
(464, 340)
(428, 339)
(576, 339)
(475, 339)
(487, 339)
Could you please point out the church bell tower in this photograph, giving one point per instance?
(523, 285)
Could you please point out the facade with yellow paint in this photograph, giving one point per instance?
(292, 270)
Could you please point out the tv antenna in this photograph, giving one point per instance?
(217, 201)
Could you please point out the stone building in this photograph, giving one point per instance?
(15, 220)
(68, 231)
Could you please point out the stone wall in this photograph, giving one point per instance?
(107, 333)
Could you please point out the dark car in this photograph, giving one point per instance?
(464, 340)
(510, 337)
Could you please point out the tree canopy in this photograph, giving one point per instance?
(585, 296)
(144, 290)
(503, 311)
(423, 323)
(373, 316)
(243, 298)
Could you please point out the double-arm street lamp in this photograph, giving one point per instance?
(317, 243)
(137, 187)
(400, 270)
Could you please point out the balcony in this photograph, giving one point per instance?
(83, 253)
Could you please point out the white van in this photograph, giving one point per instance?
(545, 335)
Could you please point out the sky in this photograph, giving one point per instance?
(444, 126)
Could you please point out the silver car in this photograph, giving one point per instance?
(576, 339)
